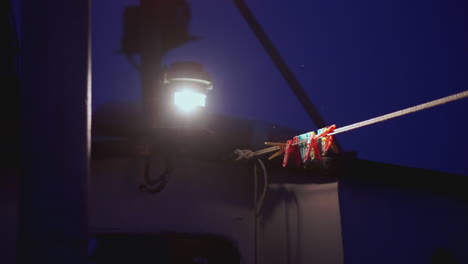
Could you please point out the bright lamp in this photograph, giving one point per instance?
(188, 100)
(188, 85)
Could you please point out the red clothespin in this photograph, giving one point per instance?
(293, 150)
(327, 140)
(326, 144)
(287, 150)
(297, 152)
(312, 145)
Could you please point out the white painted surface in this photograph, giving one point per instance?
(217, 197)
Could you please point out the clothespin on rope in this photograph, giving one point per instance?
(303, 147)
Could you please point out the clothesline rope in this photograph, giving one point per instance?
(402, 112)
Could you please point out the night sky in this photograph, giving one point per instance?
(357, 60)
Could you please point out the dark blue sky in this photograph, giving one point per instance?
(357, 60)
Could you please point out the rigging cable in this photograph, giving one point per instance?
(402, 112)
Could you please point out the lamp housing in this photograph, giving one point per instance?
(187, 86)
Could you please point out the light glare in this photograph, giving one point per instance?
(189, 100)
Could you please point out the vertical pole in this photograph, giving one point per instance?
(151, 55)
(55, 127)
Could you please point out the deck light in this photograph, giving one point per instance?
(188, 86)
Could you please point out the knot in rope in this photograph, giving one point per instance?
(244, 154)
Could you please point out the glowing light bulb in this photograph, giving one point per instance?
(188, 101)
